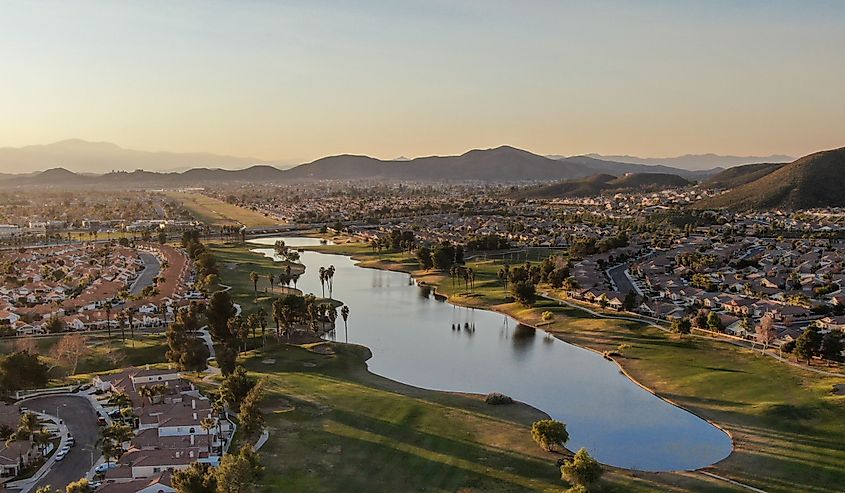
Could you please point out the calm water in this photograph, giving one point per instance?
(412, 341)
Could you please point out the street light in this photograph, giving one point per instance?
(57, 411)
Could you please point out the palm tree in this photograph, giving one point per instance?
(207, 424)
(120, 400)
(262, 321)
(145, 393)
(252, 322)
(271, 279)
(108, 317)
(253, 276)
(344, 312)
(323, 280)
(121, 319)
(330, 277)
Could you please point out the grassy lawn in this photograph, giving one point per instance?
(788, 427)
(219, 213)
(336, 427)
(102, 354)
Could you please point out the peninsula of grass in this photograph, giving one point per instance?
(787, 425)
(336, 427)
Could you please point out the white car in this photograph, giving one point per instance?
(61, 454)
(105, 466)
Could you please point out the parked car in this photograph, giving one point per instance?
(71, 441)
(105, 466)
(60, 455)
(24, 410)
(101, 421)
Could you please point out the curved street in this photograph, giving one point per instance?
(78, 415)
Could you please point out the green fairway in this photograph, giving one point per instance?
(219, 213)
(336, 427)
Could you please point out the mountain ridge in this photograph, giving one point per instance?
(808, 182)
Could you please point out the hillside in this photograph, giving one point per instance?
(601, 183)
(811, 181)
(697, 161)
(740, 175)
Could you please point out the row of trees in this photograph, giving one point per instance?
(204, 261)
(442, 256)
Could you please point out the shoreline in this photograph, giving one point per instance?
(388, 265)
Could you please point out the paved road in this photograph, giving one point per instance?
(151, 270)
(617, 274)
(79, 416)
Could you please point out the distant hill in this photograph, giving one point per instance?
(740, 175)
(101, 157)
(697, 161)
(811, 181)
(501, 164)
(598, 184)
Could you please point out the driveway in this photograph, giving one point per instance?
(81, 420)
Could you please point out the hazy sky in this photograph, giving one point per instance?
(296, 80)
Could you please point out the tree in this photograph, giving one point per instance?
(249, 415)
(681, 326)
(226, 359)
(831, 346)
(70, 349)
(208, 424)
(22, 370)
(239, 472)
(80, 486)
(443, 256)
(582, 470)
(236, 386)
(765, 331)
(253, 276)
(714, 323)
(344, 313)
(54, 325)
(548, 434)
(630, 301)
(220, 309)
(523, 291)
(424, 257)
(197, 478)
(808, 344)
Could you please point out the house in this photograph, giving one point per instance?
(160, 483)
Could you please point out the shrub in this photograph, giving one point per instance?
(548, 316)
(496, 399)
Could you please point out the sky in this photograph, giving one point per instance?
(292, 81)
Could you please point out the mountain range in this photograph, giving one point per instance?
(501, 164)
(82, 156)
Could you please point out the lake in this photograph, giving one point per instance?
(412, 338)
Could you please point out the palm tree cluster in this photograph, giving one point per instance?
(327, 279)
(294, 310)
